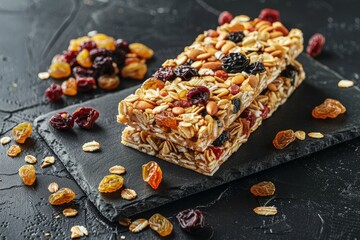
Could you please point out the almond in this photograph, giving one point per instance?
(212, 65)
(193, 53)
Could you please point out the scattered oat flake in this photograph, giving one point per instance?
(315, 135)
(30, 159)
(122, 237)
(117, 169)
(14, 84)
(138, 225)
(78, 231)
(345, 83)
(301, 135)
(265, 211)
(53, 187)
(125, 222)
(128, 194)
(5, 140)
(49, 160)
(70, 212)
(92, 33)
(47, 234)
(43, 75)
(263, 189)
(57, 216)
(91, 146)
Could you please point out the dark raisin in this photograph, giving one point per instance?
(103, 65)
(225, 136)
(62, 120)
(54, 92)
(198, 95)
(122, 45)
(119, 57)
(165, 74)
(85, 83)
(191, 220)
(82, 72)
(85, 117)
(237, 104)
(255, 68)
(235, 62)
(290, 72)
(99, 52)
(236, 36)
(185, 72)
(89, 45)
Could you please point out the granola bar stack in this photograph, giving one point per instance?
(200, 107)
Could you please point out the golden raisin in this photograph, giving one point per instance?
(107, 82)
(283, 138)
(153, 83)
(104, 41)
(263, 189)
(141, 50)
(83, 58)
(152, 174)
(166, 119)
(60, 70)
(110, 183)
(62, 196)
(69, 87)
(161, 225)
(22, 131)
(330, 108)
(135, 70)
(28, 174)
(13, 151)
(75, 44)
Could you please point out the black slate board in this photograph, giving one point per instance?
(256, 155)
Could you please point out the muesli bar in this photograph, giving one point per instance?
(193, 98)
(233, 137)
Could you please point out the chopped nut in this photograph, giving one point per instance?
(43, 75)
(125, 222)
(263, 189)
(30, 159)
(345, 83)
(70, 212)
(53, 187)
(315, 135)
(211, 108)
(78, 231)
(5, 140)
(91, 146)
(117, 169)
(128, 194)
(49, 160)
(138, 225)
(301, 135)
(265, 211)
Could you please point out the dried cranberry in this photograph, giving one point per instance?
(255, 68)
(182, 103)
(89, 45)
(62, 120)
(85, 117)
(221, 74)
(185, 72)
(198, 95)
(85, 83)
(290, 72)
(265, 112)
(225, 17)
(83, 72)
(70, 57)
(217, 151)
(235, 62)
(246, 126)
(54, 92)
(103, 65)
(236, 36)
(165, 74)
(270, 15)
(191, 220)
(234, 89)
(99, 52)
(248, 115)
(237, 105)
(119, 57)
(224, 136)
(122, 45)
(315, 45)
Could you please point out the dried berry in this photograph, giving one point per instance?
(141, 50)
(153, 83)
(236, 102)
(70, 58)
(161, 225)
(27, 174)
(62, 120)
(166, 119)
(221, 74)
(235, 62)
(234, 89)
(103, 65)
(255, 68)
(263, 189)
(265, 112)
(315, 45)
(330, 108)
(290, 72)
(283, 139)
(85, 84)
(236, 36)
(59, 70)
(54, 92)
(185, 72)
(119, 57)
(191, 220)
(83, 58)
(198, 95)
(99, 52)
(135, 70)
(270, 15)
(69, 87)
(85, 117)
(165, 74)
(182, 103)
(248, 115)
(225, 17)
(108, 82)
(104, 41)
(13, 151)
(224, 136)
(152, 174)
(62, 196)
(88, 45)
(22, 131)
(245, 127)
(123, 45)
(217, 151)
(111, 183)
(83, 72)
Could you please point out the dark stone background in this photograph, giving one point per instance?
(317, 196)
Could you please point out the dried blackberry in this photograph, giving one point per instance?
(119, 57)
(237, 104)
(185, 72)
(198, 95)
(290, 72)
(236, 36)
(164, 74)
(254, 68)
(225, 136)
(235, 62)
(99, 52)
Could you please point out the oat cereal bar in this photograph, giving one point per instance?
(231, 139)
(192, 99)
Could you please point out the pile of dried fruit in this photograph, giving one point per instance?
(84, 117)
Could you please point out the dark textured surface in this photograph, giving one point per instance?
(258, 154)
(318, 196)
